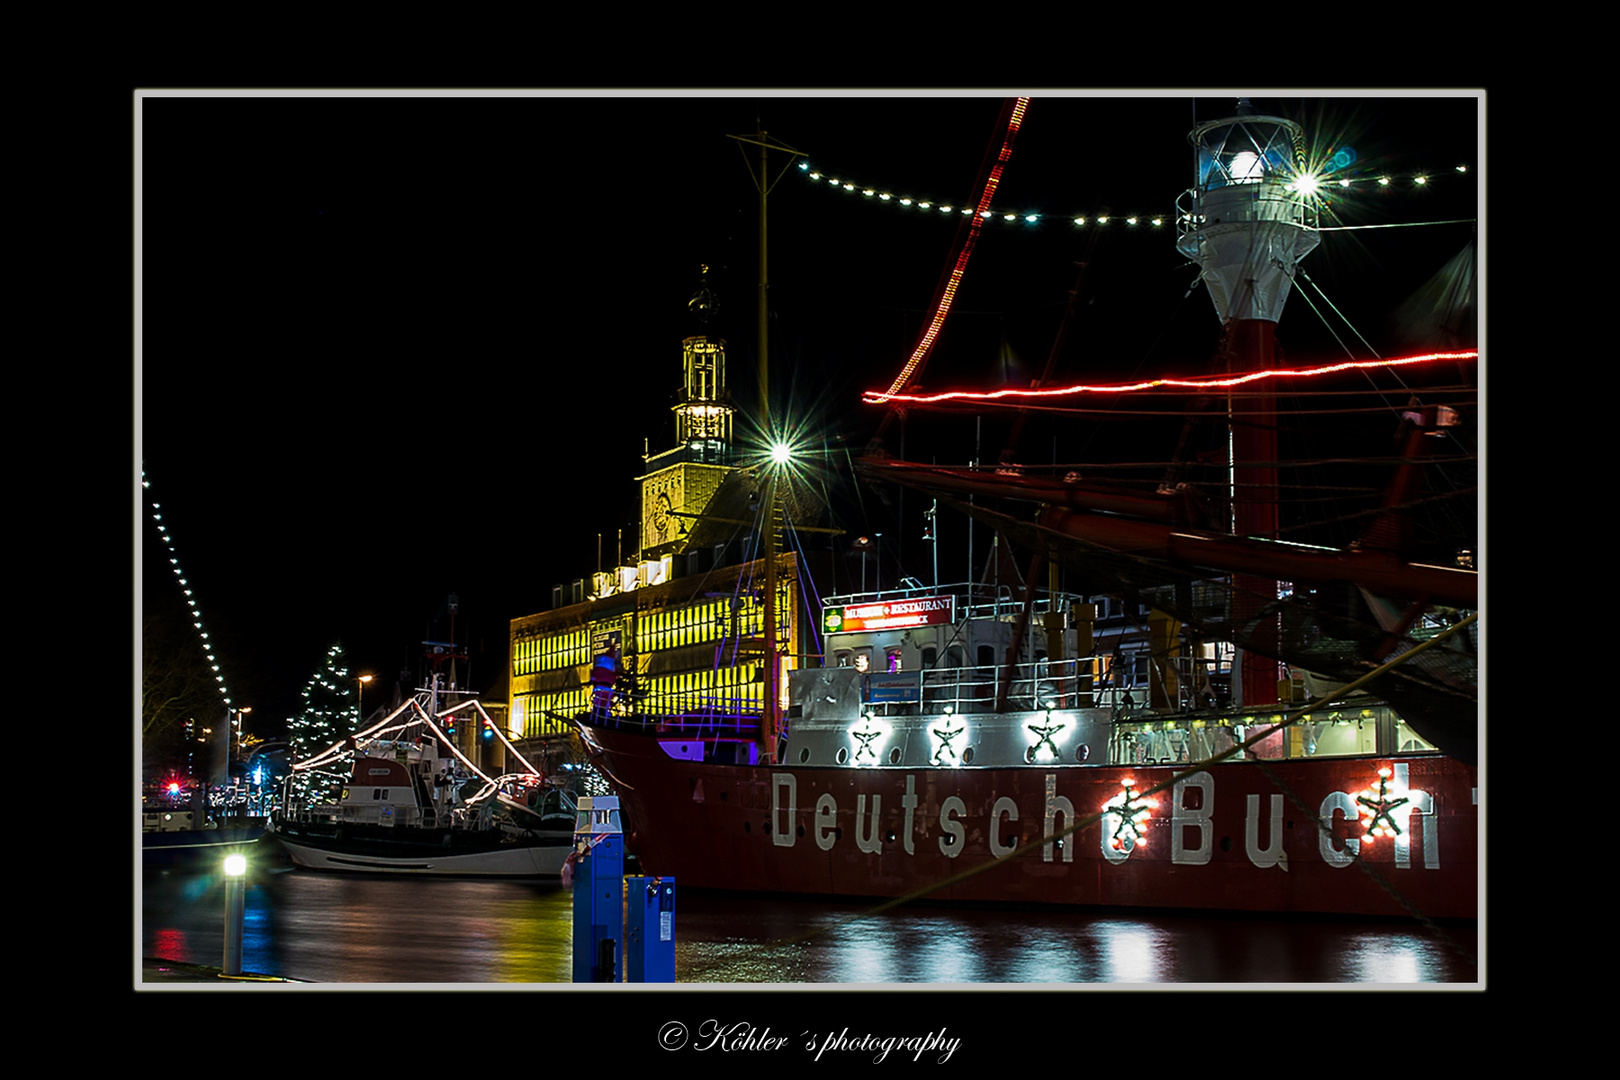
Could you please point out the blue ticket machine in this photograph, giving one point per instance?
(598, 889)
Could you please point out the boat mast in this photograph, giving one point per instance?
(1247, 222)
(770, 712)
(770, 719)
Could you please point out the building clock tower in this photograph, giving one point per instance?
(683, 479)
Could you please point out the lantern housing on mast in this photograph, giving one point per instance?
(1251, 215)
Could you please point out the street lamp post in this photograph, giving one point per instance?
(238, 723)
(360, 699)
(235, 867)
(240, 729)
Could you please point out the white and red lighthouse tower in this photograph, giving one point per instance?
(1248, 221)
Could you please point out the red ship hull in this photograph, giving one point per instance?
(1228, 838)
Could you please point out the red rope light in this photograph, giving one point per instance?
(872, 397)
(949, 293)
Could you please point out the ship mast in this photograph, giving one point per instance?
(1248, 221)
(770, 712)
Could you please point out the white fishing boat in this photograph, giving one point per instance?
(411, 803)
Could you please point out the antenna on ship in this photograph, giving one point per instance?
(1247, 221)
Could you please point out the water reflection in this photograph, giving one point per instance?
(335, 928)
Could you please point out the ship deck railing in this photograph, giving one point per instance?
(412, 816)
(1180, 684)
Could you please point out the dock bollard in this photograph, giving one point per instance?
(235, 891)
(649, 931)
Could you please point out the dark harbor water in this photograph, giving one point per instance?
(351, 929)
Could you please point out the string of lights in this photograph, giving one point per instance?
(1208, 382)
(1326, 193)
(185, 587)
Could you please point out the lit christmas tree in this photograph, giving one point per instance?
(328, 715)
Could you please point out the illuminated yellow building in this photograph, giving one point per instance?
(691, 645)
(687, 616)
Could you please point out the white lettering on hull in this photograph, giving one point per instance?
(1272, 854)
(868, 841)
(1189, 816)
(1337, 802)
(782, 835)
(1057, 807)
(1004, 808)
(826, 821)
(951, 832)
(1183, 817)
(1421, 803)
(1112, 823)
(909, 803)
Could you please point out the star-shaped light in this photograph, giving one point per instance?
(1133, 813)
(1377, 809)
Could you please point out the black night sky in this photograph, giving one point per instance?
(393, 348)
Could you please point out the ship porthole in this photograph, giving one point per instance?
(1029, 754)
(1226, 843)
(1082, 752)
(799, 832)
(894, 756)
(804, 755)
(842, 756)
(967, 756)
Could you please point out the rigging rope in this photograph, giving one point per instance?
(942, 304)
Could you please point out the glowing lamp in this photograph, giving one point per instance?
(235, 865)
(1249, 196)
